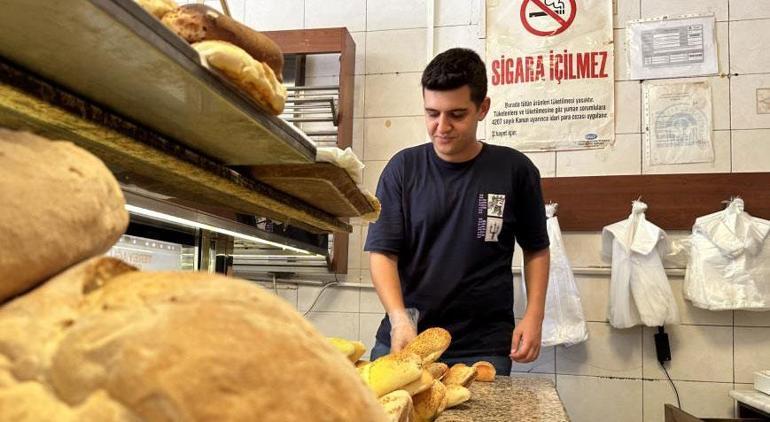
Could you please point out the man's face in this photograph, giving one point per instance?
(451, 118)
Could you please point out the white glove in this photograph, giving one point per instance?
(402, 328)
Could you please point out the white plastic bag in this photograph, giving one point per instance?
(729, 265)
(639, 289)
(345, 159)
(564, 322)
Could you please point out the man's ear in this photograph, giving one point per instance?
(484, 108)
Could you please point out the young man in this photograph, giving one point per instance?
(451, 211)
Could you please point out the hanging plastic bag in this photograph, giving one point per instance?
(729, 265)
(564, 322)
(639, 289)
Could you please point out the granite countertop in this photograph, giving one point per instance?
(510, 399)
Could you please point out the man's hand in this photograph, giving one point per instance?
(525, 346)
(402, 330)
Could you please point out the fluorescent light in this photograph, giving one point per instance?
(194, 224)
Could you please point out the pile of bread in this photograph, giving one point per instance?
(410, 384)
(246, 57)
(84, 337)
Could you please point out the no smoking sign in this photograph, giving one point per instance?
(546, 18)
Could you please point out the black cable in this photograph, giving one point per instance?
(663, 354)
(678, 402)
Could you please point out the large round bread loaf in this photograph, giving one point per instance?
(59, 205)
(101, 342)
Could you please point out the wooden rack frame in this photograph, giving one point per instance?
(329, 41)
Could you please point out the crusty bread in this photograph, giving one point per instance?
(485, 371)
(157, 8)
(460, 374)
(430, 403)
(391, 372)
(438, 369)
(197, 22)
(430, 344)
(359, 350)
(353, 350)
(254, 77)
(419, 385)
(101, 342)
(398, 406)
(59, 205)
(456, 394)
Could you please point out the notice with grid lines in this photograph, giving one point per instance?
(551, 74)
(672, 48)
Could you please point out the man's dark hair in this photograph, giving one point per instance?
(454, 68)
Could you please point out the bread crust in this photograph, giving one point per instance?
(198, 22)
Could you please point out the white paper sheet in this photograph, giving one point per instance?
(678, 122)
(672, 48)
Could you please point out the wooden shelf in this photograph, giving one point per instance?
(138, 156)
(115, 55)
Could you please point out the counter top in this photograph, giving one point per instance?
(510, 399)
(753, 398)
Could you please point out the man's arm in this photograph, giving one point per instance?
(384, 269)
(525, 346)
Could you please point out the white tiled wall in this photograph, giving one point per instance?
(615, 372)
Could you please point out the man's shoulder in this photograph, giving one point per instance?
(510, 155)
(410, 154)
(413, 151)
(407, 158)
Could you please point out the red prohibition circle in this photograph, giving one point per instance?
(563, 25)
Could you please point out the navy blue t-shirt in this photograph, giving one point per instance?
(453, 228)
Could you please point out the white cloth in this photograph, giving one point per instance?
(345, 159)
(639, 289)
(564, 322)
(729, 265)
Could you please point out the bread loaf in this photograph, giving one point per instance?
(485, 371)
(460, 374)
(197, 22)
(353, 350)
(430, 344)
(420, 384)
(430, 403)
(398, 406)
(254, 77)
(438, 369)
(456, 394)
(391, 372)
(157, 8)
(59, 205)
(101, 342)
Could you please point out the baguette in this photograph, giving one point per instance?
(419, 385)
(456, 394)
(391, 372)
(353, 350)
(438, 369)
(398, 406)
(197, 22)
(430, 403)
(460, 374)
(430, 344)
